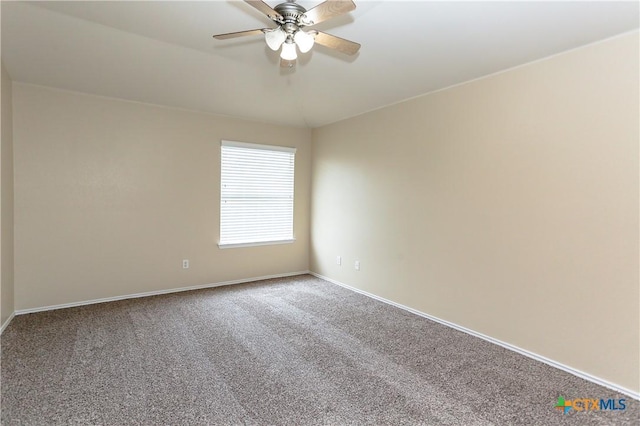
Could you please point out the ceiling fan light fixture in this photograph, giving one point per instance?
(275, 38)
(304, 41)
(289, 51)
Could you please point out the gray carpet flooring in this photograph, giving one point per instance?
(291, 351)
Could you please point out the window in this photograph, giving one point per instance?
(256, 196)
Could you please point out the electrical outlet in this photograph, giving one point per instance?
(185, 264)
(357, 265)
(339, 260)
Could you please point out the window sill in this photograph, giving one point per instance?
(255, 244)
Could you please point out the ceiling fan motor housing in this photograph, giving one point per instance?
(291, 16)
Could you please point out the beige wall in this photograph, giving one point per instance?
(6, 194)
(508, 205)
(111, 195)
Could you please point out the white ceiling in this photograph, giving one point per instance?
(163, 52)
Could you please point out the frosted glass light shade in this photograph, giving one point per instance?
(304, 41)
(275, 38)
(289, 51)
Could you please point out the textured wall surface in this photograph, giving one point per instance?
(507, 205)
(6, 193)
(112, 195)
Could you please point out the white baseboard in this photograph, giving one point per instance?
(153, 293)
(6, 323)
(566, 368)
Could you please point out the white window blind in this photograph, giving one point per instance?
(256, 197)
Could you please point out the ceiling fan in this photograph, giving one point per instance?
(291, 18)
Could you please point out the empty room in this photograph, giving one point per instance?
(320, 212)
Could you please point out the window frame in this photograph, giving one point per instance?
(263, 147)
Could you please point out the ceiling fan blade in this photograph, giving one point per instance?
(284, 63)
(238, 34)
(329, 9)
(345, 46)
(264, 8)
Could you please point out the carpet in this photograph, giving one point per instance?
(290, 351)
